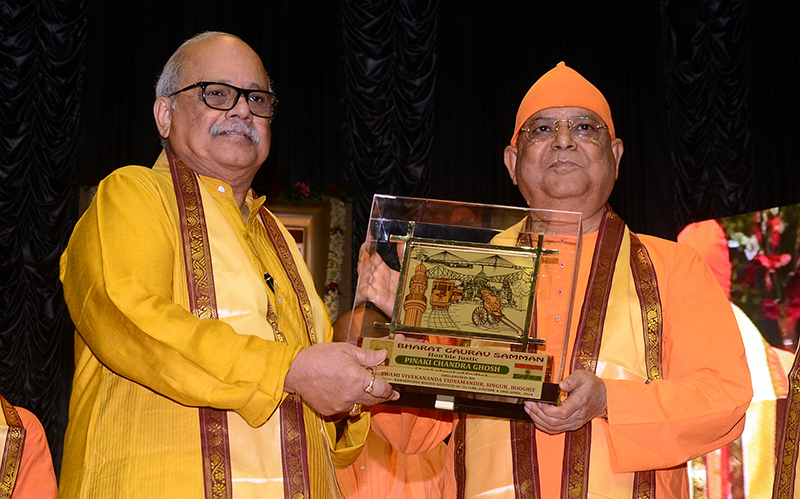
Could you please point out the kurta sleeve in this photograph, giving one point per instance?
(347, 448)
(700, 404)
(118, 272)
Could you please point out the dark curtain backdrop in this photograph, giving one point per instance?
(42, 45)
(406, 97)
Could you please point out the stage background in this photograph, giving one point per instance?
(403, 97)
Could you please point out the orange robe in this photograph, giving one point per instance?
(697, 407)
(36, 479)
(415, 469)
(26, 467)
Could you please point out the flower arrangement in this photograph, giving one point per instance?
(765, 283)
(333, 273)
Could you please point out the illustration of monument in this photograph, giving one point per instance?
(415, 302)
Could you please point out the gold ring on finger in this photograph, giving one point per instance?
(369, 387)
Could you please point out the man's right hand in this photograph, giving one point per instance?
(331, 378)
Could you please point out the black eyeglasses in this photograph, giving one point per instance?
(223, 97)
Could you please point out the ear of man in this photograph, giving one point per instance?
(510, 159)
(162, 111)
(617, 148)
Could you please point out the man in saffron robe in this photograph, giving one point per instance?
(204, 366)
(745, 467)
(656, 370)
(26, 466)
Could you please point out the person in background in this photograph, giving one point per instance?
(26, 467)
(382, 471)
(745, 467)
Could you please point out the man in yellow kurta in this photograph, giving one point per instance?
(203, 367)
(656, 367)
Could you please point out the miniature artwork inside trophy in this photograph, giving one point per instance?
(467, 290)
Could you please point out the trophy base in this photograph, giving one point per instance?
(471, 403)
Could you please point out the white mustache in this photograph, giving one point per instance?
(236, 127)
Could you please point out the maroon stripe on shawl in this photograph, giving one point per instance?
(786, 454)
(577, 444)
(290, 267)
(294, 453)
(460, 456)
(644, 276)
(296, 475)
(12, 451)
(525, 464)
(214, 440)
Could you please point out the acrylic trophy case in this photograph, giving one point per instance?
(482, 305)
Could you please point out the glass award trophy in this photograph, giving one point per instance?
(479, 320)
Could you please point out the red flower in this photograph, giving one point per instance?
(304, 189)
(757, 227)
(771, 309)
(776, 224)
(793, 309)
(333, 188)
(333, 285)
(774, 262)
(776, 227)
(749, 275)
(775, 239)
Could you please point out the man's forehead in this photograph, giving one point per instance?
(564, 112)
(225, 60)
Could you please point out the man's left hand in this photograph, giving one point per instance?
(377, 281)
(586, 401)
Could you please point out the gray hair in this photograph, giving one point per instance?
(171, 75)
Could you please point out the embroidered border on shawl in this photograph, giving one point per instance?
(290, 267)
(294, 447)
(644, 277)
(525, 464)
(196, 248)
(214, 441)
(12, 450)
(523, 434)
(460, 457)
(296, 478)
(577, 444)
(216, 453)
(786, 455)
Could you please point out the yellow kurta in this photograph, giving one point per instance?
(145, 363)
